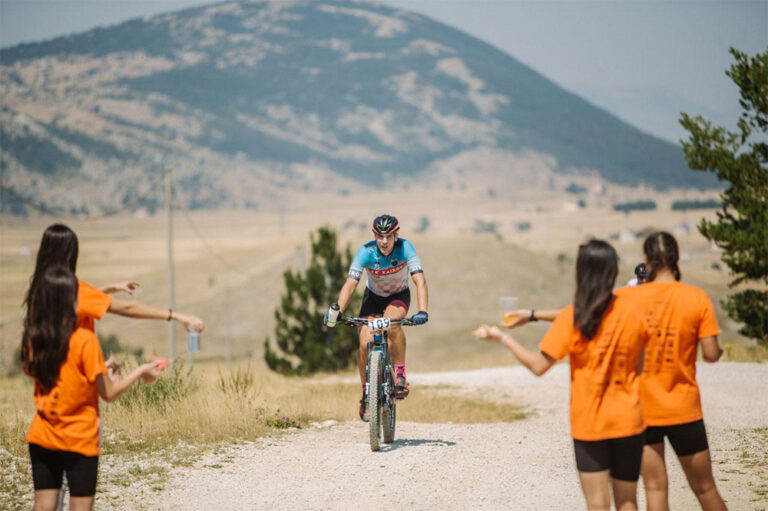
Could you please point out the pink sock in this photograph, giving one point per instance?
(400, 370)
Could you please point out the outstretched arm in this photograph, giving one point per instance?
(523, 316)
(140, 310)
(110, 389)
(129, 286)
(537, 362)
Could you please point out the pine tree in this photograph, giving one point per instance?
(308, 346)
(741, 159)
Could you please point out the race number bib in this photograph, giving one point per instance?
(376, 324)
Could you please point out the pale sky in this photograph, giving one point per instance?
(643, 60)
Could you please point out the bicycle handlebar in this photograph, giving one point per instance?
(352, 321)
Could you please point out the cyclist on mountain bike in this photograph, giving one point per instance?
(388, 260)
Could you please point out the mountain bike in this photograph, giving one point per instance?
(379, 379)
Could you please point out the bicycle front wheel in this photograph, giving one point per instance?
(389, 409)
(375, 370)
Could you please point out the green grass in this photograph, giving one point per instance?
(172, 387)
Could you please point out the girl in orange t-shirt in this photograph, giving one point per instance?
(70, 374)
(680, 318)
(59, 246)
(604, 337)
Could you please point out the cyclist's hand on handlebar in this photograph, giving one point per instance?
(517, 318)
(420, 318)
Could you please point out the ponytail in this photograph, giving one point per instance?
(661, 250)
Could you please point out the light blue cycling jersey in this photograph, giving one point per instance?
(387, 275)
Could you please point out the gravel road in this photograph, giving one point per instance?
(522, 465)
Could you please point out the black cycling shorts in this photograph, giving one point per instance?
(619, 455)
(686, 439)
(374, 305)
(49, 465)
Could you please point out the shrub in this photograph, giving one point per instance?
(485, 226)
(110, 344)
(238, 384)
(281, 421)
(683, 205)
(575, 189)
(173, 386)
(640, 205)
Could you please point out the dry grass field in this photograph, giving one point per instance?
(229, 264)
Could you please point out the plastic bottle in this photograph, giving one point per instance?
(333, 314)
(193, 342)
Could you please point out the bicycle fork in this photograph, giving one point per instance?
(386, 389)
(378, 344)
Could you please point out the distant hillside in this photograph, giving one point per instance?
(245, 99)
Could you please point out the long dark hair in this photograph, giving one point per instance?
(48, 325)
(596, 268)
(58, 247)
(661, 250)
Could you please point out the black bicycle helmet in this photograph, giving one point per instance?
(641, 272)
(385, 224)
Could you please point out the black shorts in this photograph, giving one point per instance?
(619, 455)
(48, 466)
(686, 439)
(374, 305)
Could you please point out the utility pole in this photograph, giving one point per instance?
(169, 244)
(228, 308)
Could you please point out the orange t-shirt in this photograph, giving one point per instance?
(92, 304)
(67, 417)
(605, 384)
(677, 316)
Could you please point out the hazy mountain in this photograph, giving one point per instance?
(653, 109)
(245, 99)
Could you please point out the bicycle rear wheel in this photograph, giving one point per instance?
(375, 370)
